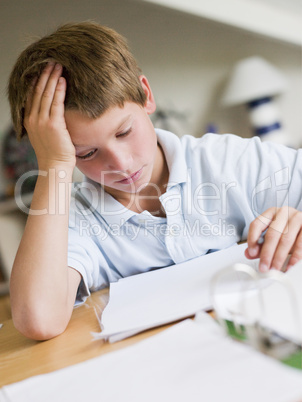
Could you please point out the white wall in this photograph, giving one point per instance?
(185, 58)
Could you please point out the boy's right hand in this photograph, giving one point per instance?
(44, 120)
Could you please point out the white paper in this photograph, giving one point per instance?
(166, 295)
(191, 361)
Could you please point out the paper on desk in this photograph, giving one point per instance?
(191, 361)
(166, 295)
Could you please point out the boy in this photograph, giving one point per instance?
(148, 199)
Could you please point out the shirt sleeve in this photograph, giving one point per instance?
(84, 254)
(255, 176)
(270, 175)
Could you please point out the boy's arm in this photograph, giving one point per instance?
(43, 288)
(283, 235)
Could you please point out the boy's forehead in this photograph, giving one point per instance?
(108, 123)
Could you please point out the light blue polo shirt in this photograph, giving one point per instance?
(217, 185)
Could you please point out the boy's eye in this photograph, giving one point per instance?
(87, 155)
(125, 133)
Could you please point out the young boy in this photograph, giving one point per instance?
(148, 200)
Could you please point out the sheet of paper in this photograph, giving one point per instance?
(281, 309)
(165, 295)
(191, 361)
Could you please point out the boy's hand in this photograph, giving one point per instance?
(44, 119)
(283, 236)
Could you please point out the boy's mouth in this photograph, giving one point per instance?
(132, 178)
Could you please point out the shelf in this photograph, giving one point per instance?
(252, 16)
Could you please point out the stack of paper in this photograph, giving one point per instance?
(191, 361)
(166, 295)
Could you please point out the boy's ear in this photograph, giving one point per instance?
(150, 104)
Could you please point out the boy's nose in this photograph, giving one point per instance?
(118, 160)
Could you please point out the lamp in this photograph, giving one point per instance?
(256, 82)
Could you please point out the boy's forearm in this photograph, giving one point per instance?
(40, 293)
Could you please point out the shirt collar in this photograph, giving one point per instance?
(175, 158)
(112, 211)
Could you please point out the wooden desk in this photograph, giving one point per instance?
(21, 357)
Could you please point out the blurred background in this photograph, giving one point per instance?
(186, 48)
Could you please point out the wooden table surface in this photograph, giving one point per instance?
(21, 357)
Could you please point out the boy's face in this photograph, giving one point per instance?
(118, 149)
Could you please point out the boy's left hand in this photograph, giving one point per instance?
(283, 236)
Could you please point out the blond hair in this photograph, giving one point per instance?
(97, 64)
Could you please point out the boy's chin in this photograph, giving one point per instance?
(129, 189)
(135, 188)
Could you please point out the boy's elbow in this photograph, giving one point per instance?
(38, 332)
(37, 327)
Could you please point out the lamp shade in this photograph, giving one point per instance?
(253, 78)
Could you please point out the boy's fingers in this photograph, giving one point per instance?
(276, 229)
(50, 90)
(40, 87)
(257, 227)
(57, 106)
(296, 252)
(279, 239)
(290, 240)
(280, 223)
(253, 252)
(268, 249)
(283, 247)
